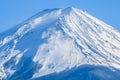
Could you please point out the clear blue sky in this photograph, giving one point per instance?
(13, 12)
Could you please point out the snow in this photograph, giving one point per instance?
(57, 40)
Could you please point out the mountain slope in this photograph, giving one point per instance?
(56, 40)
(84, 72)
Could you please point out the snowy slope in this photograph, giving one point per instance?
(55, 40)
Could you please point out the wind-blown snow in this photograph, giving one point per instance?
(56, 40)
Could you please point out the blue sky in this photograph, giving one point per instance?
(13, 12)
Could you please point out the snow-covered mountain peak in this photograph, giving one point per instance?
(55, 40)
(68, 10)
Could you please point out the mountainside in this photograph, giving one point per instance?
(55, 40)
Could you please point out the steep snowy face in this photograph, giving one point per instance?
(56, 40)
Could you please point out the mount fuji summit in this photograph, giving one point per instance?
(60, 44)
